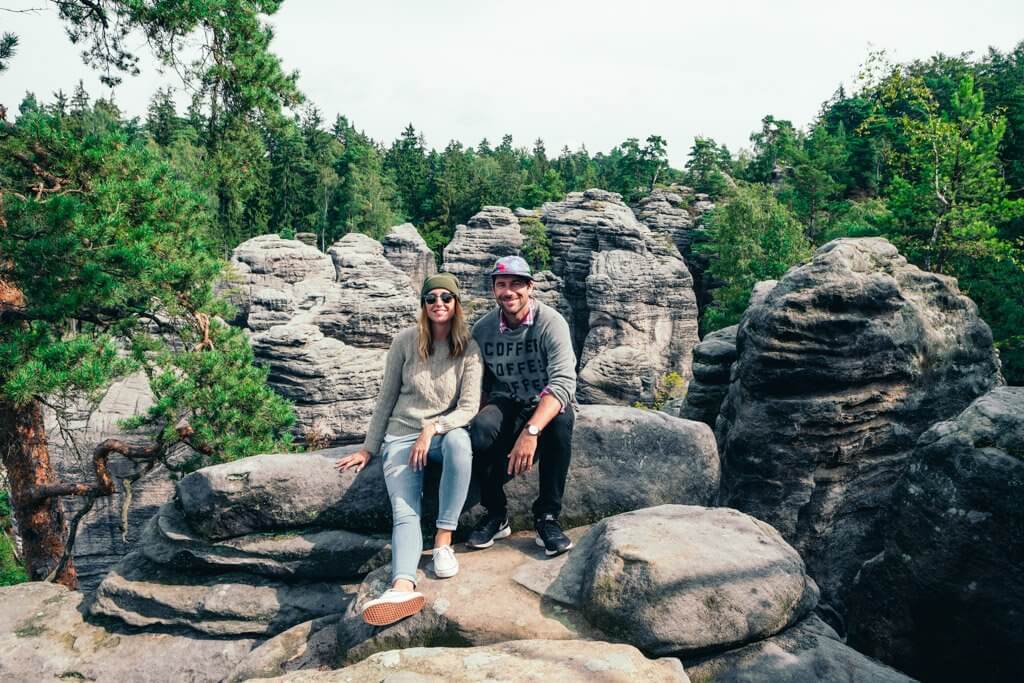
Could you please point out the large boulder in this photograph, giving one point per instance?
(672, 579)
(844, 364)
(680, 579)
(945, 599)
(631, 295)
(304, 553)
(571, 661)
(142, 593)
(809, 652)
(332, 385)
(623, 459)
(44, 637)
(407, 251)
(284, 491)
(309, 645)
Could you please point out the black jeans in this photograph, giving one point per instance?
(494, 431)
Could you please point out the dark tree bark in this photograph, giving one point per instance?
(41, 522)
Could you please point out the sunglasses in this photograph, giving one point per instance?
(430, 299)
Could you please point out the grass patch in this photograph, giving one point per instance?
(10, 571)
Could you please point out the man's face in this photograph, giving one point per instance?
(512, 294)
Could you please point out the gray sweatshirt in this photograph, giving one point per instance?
(521, 363)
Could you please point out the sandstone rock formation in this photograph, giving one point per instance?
(103, 538)
(470, 256)
(634, 312)
(663, 459)
(405, 249)
(332, 385)
(569, 661)
(272, 279)
(310, 645)
(808, 652)
(846, 362)
(712, 363)
(43, 636)
(671, 579)
(944, 599)
(323, 324)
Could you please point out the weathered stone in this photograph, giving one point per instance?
(102, 538)
(846, 362)
(809, 652)
(310, 645)
(43, 637)
(678, 579)
(265, 272)
(372, 301)
(484, 604)
(142, 593)
(712, 363)
(332, 385)
(409, 253)
(284, 491)
(945, 599)
(568, 661)
(663, 459)
(470, 256)
(628, 288)
(305, 553)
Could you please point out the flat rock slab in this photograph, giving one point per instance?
(142, 593)
(675, 579)
(482, 605)
(284, 491)
(304, 553)
(565, 661)
(622, 459)
(43, 637)
(809, 652)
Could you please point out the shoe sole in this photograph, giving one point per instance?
(388, 613)
(502, 533)
(446, 575)
(549, 553)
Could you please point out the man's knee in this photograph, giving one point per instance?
(484, 428)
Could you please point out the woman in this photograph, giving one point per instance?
(431, 390)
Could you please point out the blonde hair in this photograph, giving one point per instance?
(458, 336)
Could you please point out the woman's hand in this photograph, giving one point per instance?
(418, 452)
(356, 461)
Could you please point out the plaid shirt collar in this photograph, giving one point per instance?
(503, 328)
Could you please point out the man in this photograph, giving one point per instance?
(530, 383)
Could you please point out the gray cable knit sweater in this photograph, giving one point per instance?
(415, 392)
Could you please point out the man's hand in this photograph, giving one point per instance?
(521, 458)
(418, 452)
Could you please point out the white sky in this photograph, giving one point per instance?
(570, 72)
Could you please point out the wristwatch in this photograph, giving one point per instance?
(532, 430)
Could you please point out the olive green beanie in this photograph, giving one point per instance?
(441, 281)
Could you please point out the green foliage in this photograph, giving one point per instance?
(669, 386)
(117, 269)
(707, 167)
(10, 571)
(8, 48)
(536, 244)
(753, 237)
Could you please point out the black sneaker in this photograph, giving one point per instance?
(550, 536)
(487, 531)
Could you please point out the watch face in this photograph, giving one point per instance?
(532, 430)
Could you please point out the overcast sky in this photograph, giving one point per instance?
(572, 73)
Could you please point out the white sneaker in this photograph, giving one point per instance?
(445, 563)
(392, 606)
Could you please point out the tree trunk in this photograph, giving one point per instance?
(41, 522)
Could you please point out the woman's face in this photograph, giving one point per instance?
(439, 310)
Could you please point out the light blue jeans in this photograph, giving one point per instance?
(405, 488)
